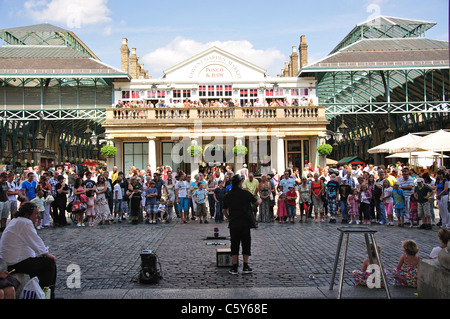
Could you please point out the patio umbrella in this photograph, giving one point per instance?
(424, 154)
(438, 141)
(89, 163)
(421, 157)
(396, 145)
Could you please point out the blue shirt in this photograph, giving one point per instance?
(150, 200)
(399, 198)
(29, 188)
(200, 195)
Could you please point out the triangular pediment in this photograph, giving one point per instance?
(214, 64)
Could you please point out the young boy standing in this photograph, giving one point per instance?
(199, 198)
(150, 203)
(399, 204)
(291, 197)
(332, 197)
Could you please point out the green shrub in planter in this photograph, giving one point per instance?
(325, 149)
(108, 150)
(240, 150)
(195, 150)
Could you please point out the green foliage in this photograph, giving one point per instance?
(195, 150)
(325, 149)
(240, 150)
(108, 150)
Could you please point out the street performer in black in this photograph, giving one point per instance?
(236, 207)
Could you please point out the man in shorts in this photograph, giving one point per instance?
(422, 193)
(236, 207)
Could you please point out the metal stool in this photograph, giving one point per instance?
(356, 230)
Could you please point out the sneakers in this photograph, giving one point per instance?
(233, 271)
(247, 269)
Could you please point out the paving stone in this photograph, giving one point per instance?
(283, 255)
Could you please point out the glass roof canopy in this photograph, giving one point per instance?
(383, 66)
(44, 34)
(385, 27)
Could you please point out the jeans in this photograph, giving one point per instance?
(218, 214)
(344, 209)
(291, 210)
(212, 206)
(382, 212)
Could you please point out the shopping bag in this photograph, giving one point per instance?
(32, 290)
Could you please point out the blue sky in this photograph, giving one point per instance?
(262, 32)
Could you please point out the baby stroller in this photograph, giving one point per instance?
(72, 213)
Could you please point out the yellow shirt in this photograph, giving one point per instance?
(114, 176)
(391, 180)
(251, 186)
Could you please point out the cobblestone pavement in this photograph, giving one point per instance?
(283, 255)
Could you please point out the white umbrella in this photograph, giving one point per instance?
(424, 154)
(438, 141)
(396, 145)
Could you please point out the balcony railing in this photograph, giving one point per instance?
(216, 114)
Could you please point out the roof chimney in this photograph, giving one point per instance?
(294, 62)
(125, 56)
(303, 49)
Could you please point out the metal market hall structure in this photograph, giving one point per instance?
(383, 80)
(53, 95)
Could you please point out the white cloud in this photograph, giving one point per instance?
(70, 13)
(180, 49)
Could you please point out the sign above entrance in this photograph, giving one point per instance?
(215, 72)
(217, 67)
(214, 64)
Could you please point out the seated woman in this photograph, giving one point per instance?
(23, 250)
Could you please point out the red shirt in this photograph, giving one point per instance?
(291, 194)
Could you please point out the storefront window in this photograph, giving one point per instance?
(297, 153)
(135, 154)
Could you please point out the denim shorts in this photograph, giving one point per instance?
(291, 210)
(400, 212)
(183, 205)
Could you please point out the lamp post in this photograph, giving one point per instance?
(40, 144)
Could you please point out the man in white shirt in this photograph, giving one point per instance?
(407, 183)
(23, 250)
(181, 189)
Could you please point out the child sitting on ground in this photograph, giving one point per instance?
(362, 275)
(405, 274)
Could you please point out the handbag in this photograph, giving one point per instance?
(49, 199)
(32, 290)
(170, 203)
